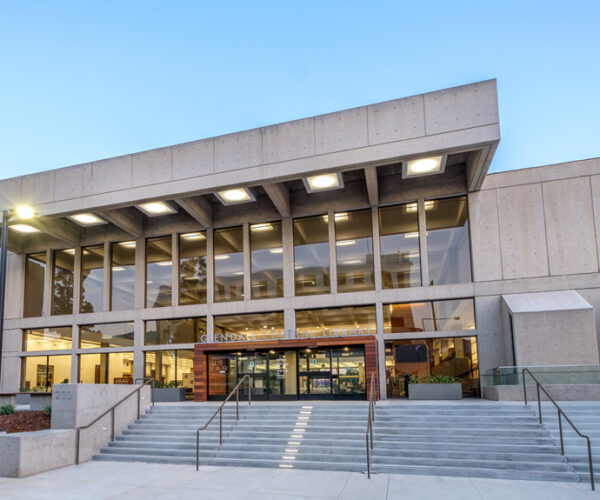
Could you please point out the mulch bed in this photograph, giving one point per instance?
(24, 421)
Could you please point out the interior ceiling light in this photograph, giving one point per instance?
(412, 207)
(221, 257)
(261, 227)
(276, 250)
(128, 244)
(87, 219)
(155, 208)
(235, 196)
(411, 235)
(323, 182)
(345, 243)
(423, 166)
(193, 236)
(24, 212)
(24, 228)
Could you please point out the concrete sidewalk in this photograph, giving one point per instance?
(129, 481)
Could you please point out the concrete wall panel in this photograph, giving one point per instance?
(73, 182)
(570, 226)
(112, 174)
(396, 120)
(193, 158)
(490, 338)
(236, 151)
(10, 191)
(288, 141)
(15, 277)
(151, 167)
(593, 297)
(341, 131)
(38, 188)
(522, 232)
(9, 378)
(595, 180)
(485, 236)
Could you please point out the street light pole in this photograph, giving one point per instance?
(3, 255)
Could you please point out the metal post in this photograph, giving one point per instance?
(368, 458)
(524, 389)
(537, 386)
(593, 484)
(77, 445)
(249, 392)
(112, 425)
(221, 425)
(138, 402)
(562, 444)
(3, 250)
(197, 448)
(237, 403)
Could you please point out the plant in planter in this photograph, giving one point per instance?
(436, 387)
(7, 409)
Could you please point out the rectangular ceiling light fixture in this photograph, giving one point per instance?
(323, 182)
(235, 196)
(24, 228)
(193, 236)
(423, 166)
(87, 219)
(156, 208)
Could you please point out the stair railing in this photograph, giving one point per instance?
(111, 410)
(561, 414)
(370, 420)
(219, 410)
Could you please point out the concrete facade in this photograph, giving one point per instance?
(531, 230)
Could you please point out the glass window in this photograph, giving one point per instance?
(47, 339)
(106, 368)
(40, 373)
(106, 335)
(158, 272)
(354, 250)
(448, 248)
(242, 327)
(348, 370)
(174, 368)
(267, 260)
(35, 271)
(92, 279)
(399, 242)
(229, 264)
(311, 255)
(123, 275)
(335, 322)
(192, 268)
(439, 315)
(175, 331)
(62, 282)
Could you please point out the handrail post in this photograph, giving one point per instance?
(112, 425)
(138, 403)
(237, 404)
(221, 426)
(562, 444)
(524, 388)
(537, 385)
(368, 457)
(197, 448)
(249, 392)
(589, 446)
(77, 445)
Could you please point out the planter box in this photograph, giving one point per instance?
(35, 400)
(435, 391)
(168, 395)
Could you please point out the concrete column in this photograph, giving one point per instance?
(74, 356)
(140, 274)
(47, 309)
(138, 343)
(106, 289)
(423, 243)
(380, 350)
(210, 328)
(289, 323)
(77, 280)
(287, 241)
(376, 248)
(175, 270)
(247, 262)
(332, 252)
(210, 266)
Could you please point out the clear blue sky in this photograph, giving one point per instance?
(83, 80)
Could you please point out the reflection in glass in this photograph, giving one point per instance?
(122, 275)
(222, 374)
(192, 268)
(336, 322)
(106, 368)
(229, 264)
(242, 327)
(456, 314)
(173, 368)
(448, 248)
(267, 260)
(175, 331)
(106, 335)
(40, 373)
(399, 241)
(47, 339)
(348, 370)
(311, 255)
(354, 250)
(282, 373)
(92, 279)
(35, 270)
(62, 281)
(441, 315)
(158, 271)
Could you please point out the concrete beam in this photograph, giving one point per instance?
(372, 186)
(199, 208)
(61, 229)
(129, 220)
(280, 197)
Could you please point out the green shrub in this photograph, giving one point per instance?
(434, 379)
(7, 409)
(47, 410)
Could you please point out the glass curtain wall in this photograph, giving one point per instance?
(173, 368)
(122, 276)
(35, 271)
(335, 322)
(311, 255)
(192, 268)
(106, 368)
(399, 242)
(448, 247)
(47, 339)
(92, 279)
(158, 271)
(354, 250)
(267, 260)
(62, 281)
(106, 335)
(439, 315)
(40, 373)
(175, 331)
(229, 264)
(246, 327)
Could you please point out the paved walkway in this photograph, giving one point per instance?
(133, 481)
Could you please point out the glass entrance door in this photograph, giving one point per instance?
(314, 373)
(253, 364)
(282, 375)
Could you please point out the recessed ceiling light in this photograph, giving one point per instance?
(70, 250)
(164, 263)
(261, 227)
(323, 182)
(345, 243)
(128, 244)
(193, 236)
(423, 166)
(412, 207)
(155, 208)
(411, 235)
(234, 196)
(87, 219)
(276, 250)
(24, 228)
(221, 257)
(118, 268)
(352, 262)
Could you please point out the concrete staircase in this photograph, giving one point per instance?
(478, 439)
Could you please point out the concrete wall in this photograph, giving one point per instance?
(572, 392)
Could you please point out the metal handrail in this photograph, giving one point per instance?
(370, 420)
(111, 410)
(219, 410)
(561, 414)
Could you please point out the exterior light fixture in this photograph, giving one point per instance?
(323, 182)
(24, 212)
(156, 208)
(235, 196)
(423, 166)
(24, 228)
(87, 219)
